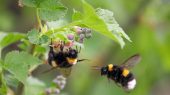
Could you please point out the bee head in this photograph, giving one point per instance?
(72, 53)
(104, 70)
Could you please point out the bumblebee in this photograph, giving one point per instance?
(121, 74)
(60, 56)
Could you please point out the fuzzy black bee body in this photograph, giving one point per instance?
(61, 58)
(121, 74)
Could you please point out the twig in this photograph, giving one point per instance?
(38, 19)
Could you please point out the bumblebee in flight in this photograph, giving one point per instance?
(121, 74)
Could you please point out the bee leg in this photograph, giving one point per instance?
(67, 49)
(79, 50)
(108, 80)
(126, 90)
(76, 48)
(117, 84)
(61, 47)
(51, 57)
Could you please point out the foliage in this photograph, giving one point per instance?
(33, 45)
(15, 60)
(112, 25)
(98, 21)
(36, 38)
(49, 10)
(34, 86)
(10, 38)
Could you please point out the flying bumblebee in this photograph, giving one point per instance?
(121, 74)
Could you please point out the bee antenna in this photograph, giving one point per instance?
(96, 67)
(51, 45)
(79, 60)
(51, 41)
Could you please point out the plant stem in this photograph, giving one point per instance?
(0, 52)
(62, 28)
(2, 80)
(38, 19)
(0, 67)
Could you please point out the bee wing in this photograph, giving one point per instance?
(132, 61)
(65, 71)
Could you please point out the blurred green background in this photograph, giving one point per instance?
(147, 22)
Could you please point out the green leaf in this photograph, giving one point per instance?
(43, 39)
(31, 3)
(50, 10)
(3, 86)
(33, 36)
(11, 80)
(112, 25)
(24, 45)
(18, 63)
(102, 22)
(10, 38)
(36, 38)
(60, 36)
(91, 19)
(34, 87)
(1, 64)
(76, 16)
(57, 24)
(40, 49)
(3, 34)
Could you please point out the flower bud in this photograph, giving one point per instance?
(81, 40)
(70, 36)
(60, 81)
(82, 36)
(56, 91)
(88, 35)
(48, 91)
(78, 30)
(69, 44)
(88, 30)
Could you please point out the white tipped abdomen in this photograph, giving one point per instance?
(131, 84)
